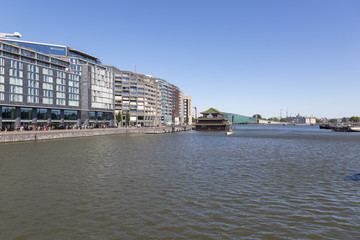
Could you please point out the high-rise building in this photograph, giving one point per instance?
(90, 87)
(171, 103)
(138, 94)
(188, 109)
(166, 101)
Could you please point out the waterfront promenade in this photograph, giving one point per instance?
(21, 136)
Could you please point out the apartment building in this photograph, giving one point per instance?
(188, 109)
(138, 94)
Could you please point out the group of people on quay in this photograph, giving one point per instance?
(47, 128)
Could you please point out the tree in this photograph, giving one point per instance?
(274, 119)
(355, 119)
(258, 116)
(127, 118)
(119, 118)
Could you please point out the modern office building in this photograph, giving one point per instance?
(138, 94)
(36, 89)
(188, 109)
(90, 85)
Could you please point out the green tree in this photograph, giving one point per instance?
(118, 117)
(355, 119)
(274, 119)
(258, 116)
(333, 120)
(127, 118)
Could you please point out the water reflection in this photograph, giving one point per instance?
(260, 182)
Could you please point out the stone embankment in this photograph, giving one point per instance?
(55, 134)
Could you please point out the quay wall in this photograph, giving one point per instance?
(6, 137)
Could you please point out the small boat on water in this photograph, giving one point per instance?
(229, 132)
(355, 129)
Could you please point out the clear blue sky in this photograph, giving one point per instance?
(245, 57)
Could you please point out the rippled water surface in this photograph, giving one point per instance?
(263, 182)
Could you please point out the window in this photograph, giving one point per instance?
(16, 89)
(47, 71)
(32, 68)
(33, 91)
(26, 113)
(15, 97)
(48, 79)
(73, 103)
(60, 102)
(60, 95)
(92, 115)
(47, 93)
(47, 86)
(32, 99)
(16, 64)
(33, 76)
(27, 53)
(55, 114)
(70, 115)
(32, 83)
(15, 73)
(42, 114)
(8, 112)
(47, 100)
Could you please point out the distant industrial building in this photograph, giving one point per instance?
(301, 120)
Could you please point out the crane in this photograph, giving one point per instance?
(6, 35)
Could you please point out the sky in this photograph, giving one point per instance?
(266, 57)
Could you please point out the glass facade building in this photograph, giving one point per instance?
(37, 89)
(86, 84)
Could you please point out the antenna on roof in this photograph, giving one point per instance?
(135, 68)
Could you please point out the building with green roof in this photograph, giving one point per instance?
(212, 120)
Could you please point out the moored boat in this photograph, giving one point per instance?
(355, 128)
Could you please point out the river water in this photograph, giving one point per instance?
(262, 182)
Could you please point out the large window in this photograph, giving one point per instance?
(55, 114)
(8, 112)
(42, 114)
(26, 113)
(70, 115)
(100, 116)
(92, 115)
